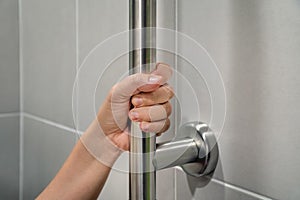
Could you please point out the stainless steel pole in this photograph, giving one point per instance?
(142, 59)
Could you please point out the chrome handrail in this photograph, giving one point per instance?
(142, 14)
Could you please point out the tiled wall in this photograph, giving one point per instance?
(9, 100)
(256, 46)
(45, 148)
(48, 71)
(254, 43)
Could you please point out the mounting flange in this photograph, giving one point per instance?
(194, 148)
(208, 154)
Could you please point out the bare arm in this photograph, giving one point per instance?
(81, 177)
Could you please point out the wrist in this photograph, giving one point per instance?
(99, 145)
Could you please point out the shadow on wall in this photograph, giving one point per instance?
(202, 182)
(199, 188)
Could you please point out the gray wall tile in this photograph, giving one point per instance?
(45, 150)
(98, 21)
(9, 56)
(255, 45)
(166, 14)
(49, 58)
(9, 100)
(9, 157)
(165, 184)
(116, 186)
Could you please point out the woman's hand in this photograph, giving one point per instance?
(149, 94)
(107, 136)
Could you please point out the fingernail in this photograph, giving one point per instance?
(137, 101)
(134, 115)
(154, 79)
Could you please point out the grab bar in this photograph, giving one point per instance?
(142, 15)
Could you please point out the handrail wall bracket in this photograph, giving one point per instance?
(194, 148)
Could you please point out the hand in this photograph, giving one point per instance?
(150, 97)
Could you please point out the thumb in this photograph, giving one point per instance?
(163, 70)
(130, 85)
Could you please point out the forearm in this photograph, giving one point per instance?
(81, 177)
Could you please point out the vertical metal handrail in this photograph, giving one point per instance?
(142, 14)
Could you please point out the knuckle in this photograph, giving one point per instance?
(168, 108)
(154, 96)
(158, 134)
(170, 92)
(137, 100)
(168, 122)
(165, 126)
(149, 98)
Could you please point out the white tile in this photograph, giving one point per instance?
(256, 45)
(9, 57)
(9, 157)
(49, 54)
(45, 150)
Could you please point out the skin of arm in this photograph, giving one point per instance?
(83, 174)
(81, 177)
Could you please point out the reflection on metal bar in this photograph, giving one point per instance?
(175, 153)
(141, 59)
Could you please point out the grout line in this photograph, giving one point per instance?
(21, 102)
(51, 123)
(242, 190)
(12, 114)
